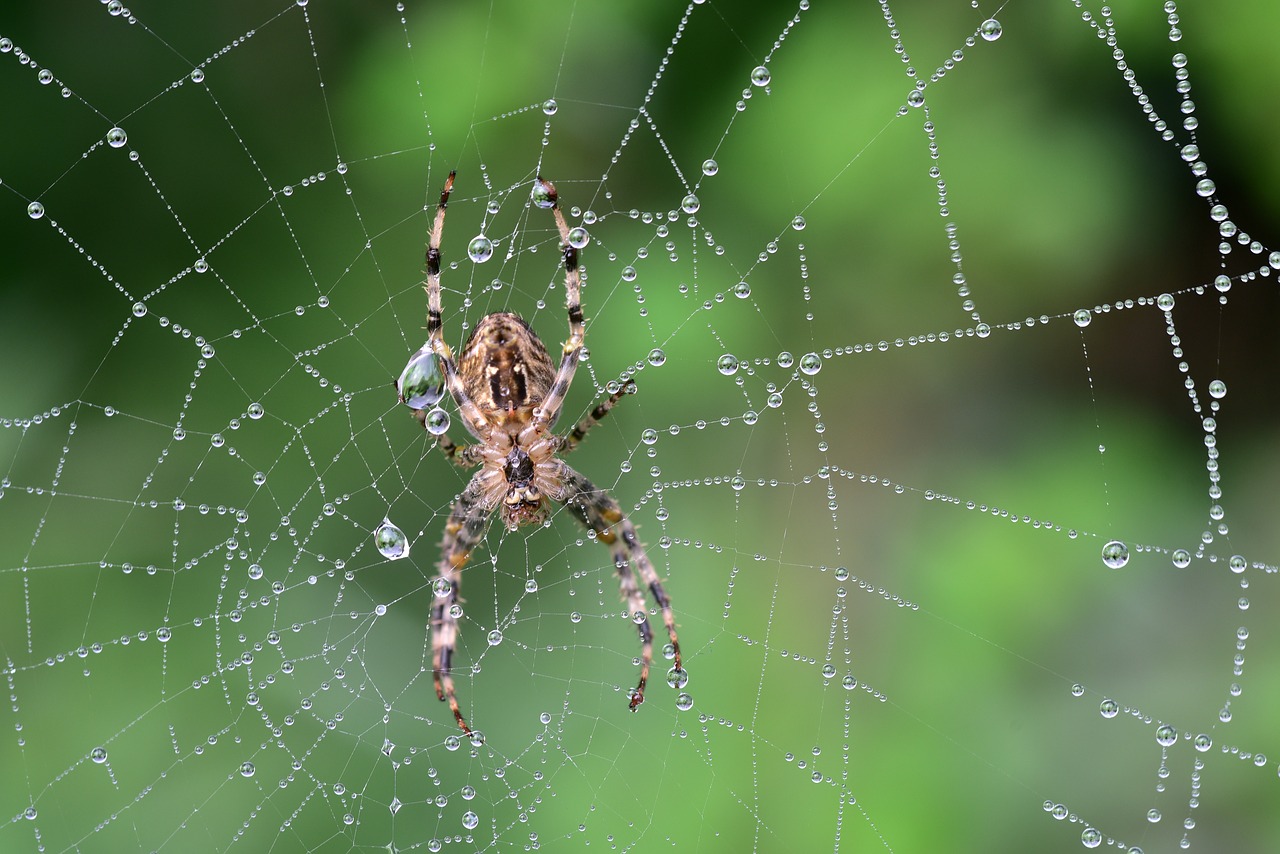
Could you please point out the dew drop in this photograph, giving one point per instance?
(684, 702)
(657, 357)
(98, 754)
(116, 137)
(1083, 317)
(690, 204)
(760, 76)
(391, 541)
(990, 29)
(495, 637)
(470, 820)
(742, 290)
(255, 411)
(1181, 558)
(437, 421)
(35, 210)
(247, 769)
(710, 167)
(421, 383)
(139, 309)
(1115, 554)
(810, 363)
(550, 106)
(480, 249)
(677, 677)
(1217, 389)
(728, 364)
(798, 223)
(1166, 736)
(578, 237)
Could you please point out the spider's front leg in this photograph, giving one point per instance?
(596, 509)
(464, 530)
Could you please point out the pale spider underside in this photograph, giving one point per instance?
(509, 395)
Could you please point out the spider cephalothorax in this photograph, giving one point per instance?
(509, 394)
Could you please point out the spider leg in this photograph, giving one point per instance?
(464, 530)
(463, 456)
(581, 429)
(596, 509)
(476, 423)
(550, 408)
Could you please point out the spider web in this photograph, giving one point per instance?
(953, 441)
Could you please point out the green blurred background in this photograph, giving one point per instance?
(302, 169)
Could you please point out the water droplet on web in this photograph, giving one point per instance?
(798, 223)
(1222, 284)
(1109, 708)
(247, 769)
(480, 249)
(98, 754)
(395, 805)
(1091, 837)
(578, 237)
(421, 384)
(677, 677)
(541, 195)
(727, 365)
(470, 820)
(710, 167)
(1165, 302)
(391, 541)
(1166, 735)
(1083, 317)
(495, 637)
(1217, 389)
(915, 98)
(550, 106)
(441, 587)
(139, 309)
(760, 76)
(990, 29)
(738, 483)
(684, 702)
(437, 422)
(1181, 558)
(255, 411)
(197, 75)
(35, 210)
(690, 204)
(657, 357)
(1115, 554)
(1202, 743)
(116, 137)
(742, 290)
(810, 363)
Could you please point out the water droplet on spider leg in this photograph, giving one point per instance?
(421, 384)
(480, 249)
(391, 541)
(437, 421)
(1115, 554)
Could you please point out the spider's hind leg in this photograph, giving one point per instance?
(596, 509)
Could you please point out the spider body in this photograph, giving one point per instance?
(509, 394)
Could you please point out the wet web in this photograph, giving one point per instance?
(952, 333)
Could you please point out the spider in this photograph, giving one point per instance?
(509, 395)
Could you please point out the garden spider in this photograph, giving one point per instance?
(509, 396)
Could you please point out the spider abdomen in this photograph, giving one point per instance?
(505, 368)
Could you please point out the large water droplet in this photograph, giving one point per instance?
(391, 541)
(728, 364)
(990, 29)
(1115, 554)
(437, 422)
(421, 384)
(760, 76)
(480, 249)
